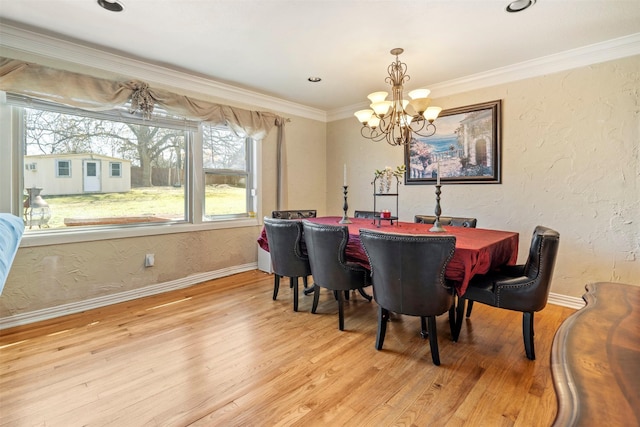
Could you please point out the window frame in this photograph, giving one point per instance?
(12, 164)
(248, 173)
(58, 174)
(111, 165)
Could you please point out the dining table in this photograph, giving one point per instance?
(477, 250)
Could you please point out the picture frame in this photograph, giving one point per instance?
(466, 148)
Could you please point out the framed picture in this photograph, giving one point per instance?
(465, 148)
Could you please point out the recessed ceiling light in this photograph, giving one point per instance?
(314, 79)
(111, 5)
(520, 5)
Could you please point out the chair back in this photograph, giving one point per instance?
(326, 245)
(294, 214)
(539, 269)
(285, 248)
(408, 271)
(447, 220)
(364, 214)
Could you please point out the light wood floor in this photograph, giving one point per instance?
(223, 353)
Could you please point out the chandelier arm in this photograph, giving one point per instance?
(426, 128)
(373, 134)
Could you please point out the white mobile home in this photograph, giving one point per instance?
(60, 174)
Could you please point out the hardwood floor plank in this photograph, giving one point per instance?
(224, 353)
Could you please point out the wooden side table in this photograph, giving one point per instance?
(595, 359)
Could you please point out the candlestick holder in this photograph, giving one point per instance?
(437, 227)
(345, 219)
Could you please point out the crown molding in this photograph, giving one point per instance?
(33, 43)
(600, 52)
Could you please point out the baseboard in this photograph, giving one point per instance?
(77, 307)
(566, 301)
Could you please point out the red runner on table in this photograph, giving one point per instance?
(478, 250)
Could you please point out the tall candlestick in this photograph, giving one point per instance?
(438, 174)
(437, 226)
(345, 219)
(345, 175)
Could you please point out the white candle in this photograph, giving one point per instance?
(345, 174)
(438, 174)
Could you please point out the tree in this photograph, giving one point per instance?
(223, 149)
(53, 133)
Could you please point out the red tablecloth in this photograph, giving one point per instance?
(478, 250)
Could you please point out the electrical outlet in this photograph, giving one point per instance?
(149, 260)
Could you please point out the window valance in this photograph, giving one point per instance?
(96, 94)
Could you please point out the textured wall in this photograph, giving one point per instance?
(48, 276)
(570, 157)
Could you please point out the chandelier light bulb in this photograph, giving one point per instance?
(420, 104)
(419, 93)
(381, 108)
(377, 97)
(364, 116)
(431, 113)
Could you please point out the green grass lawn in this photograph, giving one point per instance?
(162, 202)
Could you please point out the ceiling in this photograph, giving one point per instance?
(273, 46)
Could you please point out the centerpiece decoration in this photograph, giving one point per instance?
(383, 177)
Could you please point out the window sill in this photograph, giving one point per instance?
(64, 236)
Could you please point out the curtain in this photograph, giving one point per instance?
(96, 94)
(282, 201)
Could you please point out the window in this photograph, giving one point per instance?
(157, 180)
(226, 162)
(155, 191)
(115, 169)
(63, 168)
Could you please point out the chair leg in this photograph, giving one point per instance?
(433, 340)
(452, 320)
(305, 281)
(365, 295)
(469, 307)
(346, 295)
(316, 297)
(341, 311)
(294, 285)
(276, 286)
(458, 318)
(423, 327)
(383, 318)
(527, 330)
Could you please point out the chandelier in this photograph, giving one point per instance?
(396, 121)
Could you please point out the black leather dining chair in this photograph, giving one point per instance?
(522, 287)
(326, 246)
(451, 221)
(294, 214)
(408, 278)
(287, 257)
(447, 220)
(364, 214)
